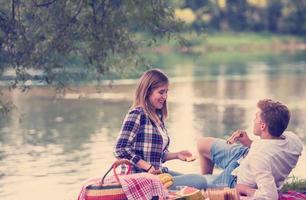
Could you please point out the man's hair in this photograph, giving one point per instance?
(275, 114)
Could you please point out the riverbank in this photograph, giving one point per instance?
(233, 41)
(230, 50)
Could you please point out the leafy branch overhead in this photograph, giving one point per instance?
(88, 35)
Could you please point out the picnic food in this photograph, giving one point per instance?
(233, 140)
(189, 159)
(188, 193)
(166, 179)
(221, 194)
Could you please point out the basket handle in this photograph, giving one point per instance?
(115, 165)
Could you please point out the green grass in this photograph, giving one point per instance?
(231, 41)
(295, 184)
(247, 38)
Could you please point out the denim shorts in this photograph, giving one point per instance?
(225, 156)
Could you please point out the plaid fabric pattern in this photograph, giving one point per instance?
(139, 138)
(142, 186)
(292, 195)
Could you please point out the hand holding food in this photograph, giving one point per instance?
(241, 136)
(235, 136)
(190, 159)
(185, 156)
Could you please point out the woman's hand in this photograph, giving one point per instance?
(181, 155)
(185, 156)
(148, 167)
(241, 136)
(154, 171)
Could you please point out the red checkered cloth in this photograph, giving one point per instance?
(142, 186)
(292, 195)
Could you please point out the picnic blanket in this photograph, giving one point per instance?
(142, 186)
(292, 195)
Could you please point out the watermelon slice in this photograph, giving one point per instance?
(187, 193)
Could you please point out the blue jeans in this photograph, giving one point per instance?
(191, 180)
(223, 156)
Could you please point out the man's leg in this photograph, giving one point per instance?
(204, 148)
(192, 180)
(214, 151)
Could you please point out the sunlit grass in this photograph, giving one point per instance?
(295, 184)
(244, 38)
(229, 41)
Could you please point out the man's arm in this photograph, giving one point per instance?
(245, 190)
(266, 187)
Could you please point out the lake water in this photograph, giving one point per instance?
(53, 143)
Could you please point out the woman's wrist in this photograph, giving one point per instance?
(151, 166)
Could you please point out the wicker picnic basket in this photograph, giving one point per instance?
(108, 191)
(222, 194)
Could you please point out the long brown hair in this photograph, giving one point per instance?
(148, 82)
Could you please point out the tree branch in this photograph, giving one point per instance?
(13, 10)
(46, 4)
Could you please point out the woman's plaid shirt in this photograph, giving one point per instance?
(139, 138)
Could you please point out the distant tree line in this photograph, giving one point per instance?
(276, 16)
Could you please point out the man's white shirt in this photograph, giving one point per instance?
(268, 163)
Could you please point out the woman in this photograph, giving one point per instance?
(143, 138)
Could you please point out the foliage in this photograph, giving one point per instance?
(88, 37)
(5, 107)
(277, 16)
(295, 184)
(68, 40)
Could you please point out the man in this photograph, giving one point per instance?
(256, 168)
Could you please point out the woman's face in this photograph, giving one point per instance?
(159, 96)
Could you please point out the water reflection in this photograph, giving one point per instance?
(53, 145)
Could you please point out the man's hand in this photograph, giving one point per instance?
(241, 136)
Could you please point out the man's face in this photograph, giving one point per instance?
(258, 123)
